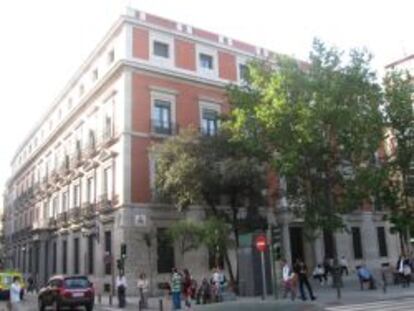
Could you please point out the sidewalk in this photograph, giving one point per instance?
(326, 296)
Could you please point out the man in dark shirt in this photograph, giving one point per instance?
(302, 271)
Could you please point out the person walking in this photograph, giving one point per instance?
(15, 294)
(302, 271)
(319, 274)
(176, 289)
(187, 289)
(121, 286)
(143, 287)
(289, 280)
(344, 266)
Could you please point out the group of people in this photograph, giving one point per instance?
(323, 270)
(209, 290)
(181, 287)
(292, 277)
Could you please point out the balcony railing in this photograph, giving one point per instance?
(163, 128)
(107, 138)
(88, 210)
(62, 219)
(75, 214)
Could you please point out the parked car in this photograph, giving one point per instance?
(67, 291)
(6, 279)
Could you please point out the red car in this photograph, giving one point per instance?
(67, 291)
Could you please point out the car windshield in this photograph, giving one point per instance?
(74, 283)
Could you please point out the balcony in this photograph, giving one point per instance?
(163, 128)
(76, 159)
(105, 204)
(75, 214)
(64, 167)
(52, 223)
(88, 210)
(62, 219)
(107, 138)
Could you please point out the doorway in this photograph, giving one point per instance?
(296, 243)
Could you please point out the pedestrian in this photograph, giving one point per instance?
(289, 280)
(400, 269)
(143, 287)
(327, 268)
(176, 289)
(365, 275)
(15, 294)
(30, 284)
(319, 274)
(302, 271)
(406, 273)
(187, 289)
(343, 262)
(121, 285)
(219, 283)
(204, 292)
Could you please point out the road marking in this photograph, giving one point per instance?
(384, 305)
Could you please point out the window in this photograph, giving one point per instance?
(209, 122)
(243, 72)
(89, 190)
(76, 195)
(65, 198)
(76, 255)
(64, 257)
(161, 49)
(111, 56)
(165, 251)
(107, 182)
(162, 117)
(356, 242)
(206, 61)
(108, 250)
(55, 206)
(382, 242)
(91, 255)
(108, 127)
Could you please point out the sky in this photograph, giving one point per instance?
(44, 42)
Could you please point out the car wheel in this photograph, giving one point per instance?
(41, 305)
(89, 307)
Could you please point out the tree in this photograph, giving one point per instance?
(318, 124)
(399, 112)
(215, 173)
(187, 234)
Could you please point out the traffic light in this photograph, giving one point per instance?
(123, 250)
(276, 240)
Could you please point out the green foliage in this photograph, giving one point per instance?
(320, 124)
(399, 112)
(188, 234)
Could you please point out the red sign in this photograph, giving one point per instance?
(261, 243)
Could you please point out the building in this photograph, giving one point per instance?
(82, 181)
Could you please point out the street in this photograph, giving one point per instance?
(246, 304)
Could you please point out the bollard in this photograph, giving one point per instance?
(110, 299)
(160, 304)
(100, 299)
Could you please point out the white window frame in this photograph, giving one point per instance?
(203, 104)
(159, 60)
(158, 95)
(241, 61)
(210, 73)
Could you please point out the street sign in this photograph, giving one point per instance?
(261, 243)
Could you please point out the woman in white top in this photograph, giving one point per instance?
(143, 287)
(15, 291)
